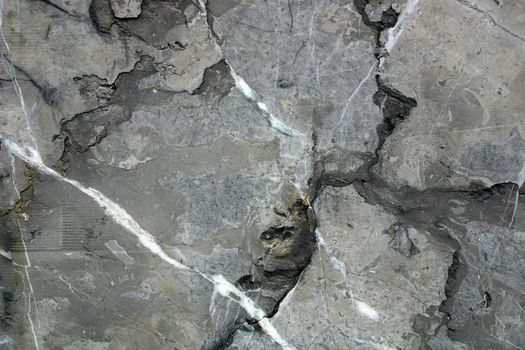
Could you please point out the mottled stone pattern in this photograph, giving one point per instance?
(250, 174)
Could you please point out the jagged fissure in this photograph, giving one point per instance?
(223, 287)
(395, 108)
(289, 246)
(274, 269)
(424, 210)
(411, 205)
(289, 249)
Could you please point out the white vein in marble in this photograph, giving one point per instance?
(404, 19)
(31, 294)
(363, 308)
(351, 99)
(254, 97)
(146, 239)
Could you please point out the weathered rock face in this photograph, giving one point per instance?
(364, 292)
(257, 175)
(468, 82)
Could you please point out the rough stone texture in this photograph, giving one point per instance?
(352, 167)
(363, 292)
(462, 61)
(313, 64)
(13, 122)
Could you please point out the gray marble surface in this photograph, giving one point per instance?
(250, 174)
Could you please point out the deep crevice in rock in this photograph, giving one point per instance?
(287, 251)
(394, 106)
(278, 265)
(425, 210)
(388, 17)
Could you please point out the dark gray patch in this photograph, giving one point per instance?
(102, 15)
(129, 95)
(487, 266)
(247, 283)
(217, 81)
(441, 341)
(399, 239)
(155, 21)
(342, 175)
(395, 108)
(284, 83)
(92, 87)
(486, 270)
(220, 7)
(288, 249)
(88, 129)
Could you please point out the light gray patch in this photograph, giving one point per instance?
(78, 95)
(213, 202)
(518, 84)
(321, 62)
(498, 162)
(241, 119)
(484, 242)
(126, 8)
(220, 7)
(63, 227)
(226, 261)
(12, 180)
(119, 252)
(189, 126)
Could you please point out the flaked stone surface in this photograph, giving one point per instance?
(351, 167)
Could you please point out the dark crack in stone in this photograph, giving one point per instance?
(355, 168)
